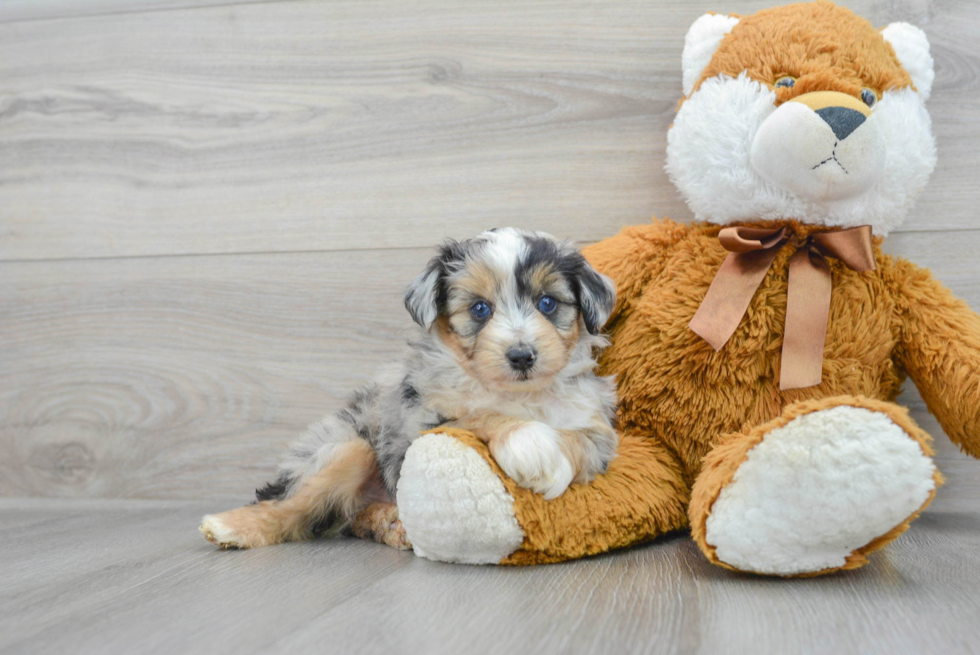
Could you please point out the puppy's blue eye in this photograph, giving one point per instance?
(547, 304)
(480, 310)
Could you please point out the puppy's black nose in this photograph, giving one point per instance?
(841, 120)
(521, 358)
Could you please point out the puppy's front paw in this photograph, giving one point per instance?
(531, 456)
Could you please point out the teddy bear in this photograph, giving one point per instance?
(759, 349)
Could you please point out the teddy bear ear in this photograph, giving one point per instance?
(700, 44)
(912, 47)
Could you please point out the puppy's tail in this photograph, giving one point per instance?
(336, 490)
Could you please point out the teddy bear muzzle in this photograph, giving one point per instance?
(822, 145)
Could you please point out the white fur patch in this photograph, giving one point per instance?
(912, 47)
(218, 533)
(708, 158)
(453, 506)
(532, 458)
(700, 45)
(507, 247)
(817, 489)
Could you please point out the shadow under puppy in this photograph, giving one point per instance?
(509, 331)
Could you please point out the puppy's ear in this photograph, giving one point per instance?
(426, 295)
(596, 296)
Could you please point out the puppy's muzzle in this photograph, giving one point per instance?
(521, 357)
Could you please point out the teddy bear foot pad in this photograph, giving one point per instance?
(820, 491)
(453, 506)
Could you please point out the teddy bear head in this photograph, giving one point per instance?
(803, 112)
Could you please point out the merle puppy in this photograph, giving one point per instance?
(509, 330)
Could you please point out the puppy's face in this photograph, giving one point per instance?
(511, 305)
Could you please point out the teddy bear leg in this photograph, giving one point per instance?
(814, 490)
(452, 504)
(457, 505)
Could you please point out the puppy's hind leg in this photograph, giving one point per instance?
(337, 489)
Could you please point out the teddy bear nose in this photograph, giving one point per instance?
(841, 120)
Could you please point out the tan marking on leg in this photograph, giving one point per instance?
(335, 488)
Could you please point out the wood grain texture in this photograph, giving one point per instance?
(352, 124)
(23, 10)
(207, 214)
(134, 576)
(339, 129)
(182, 377)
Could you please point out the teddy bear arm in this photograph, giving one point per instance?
(940, 350)
(457, 505)
(634, 257)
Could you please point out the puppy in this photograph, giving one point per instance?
(509, 328)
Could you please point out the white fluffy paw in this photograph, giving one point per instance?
(531, 456)
(215, 531)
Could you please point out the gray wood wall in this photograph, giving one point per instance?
(208, 209)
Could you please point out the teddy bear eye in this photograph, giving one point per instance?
(786, 82)
(869, 97)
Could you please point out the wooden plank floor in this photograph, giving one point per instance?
(208, 210)
(355, 124)
(130, 576)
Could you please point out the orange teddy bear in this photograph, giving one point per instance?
(758, 351)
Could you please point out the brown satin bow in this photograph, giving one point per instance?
(752, 252)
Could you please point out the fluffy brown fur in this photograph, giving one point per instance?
(830, 49)
(883, 325)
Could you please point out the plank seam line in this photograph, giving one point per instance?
(211, 254)
(122, 11)
(579, 243)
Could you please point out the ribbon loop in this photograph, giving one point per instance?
(747, 239)
(854, 247)
(751, 254)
